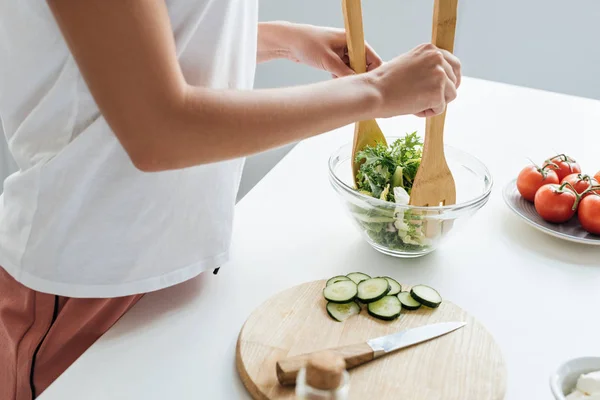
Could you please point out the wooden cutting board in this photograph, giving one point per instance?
(463, 365)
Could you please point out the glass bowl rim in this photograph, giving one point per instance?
(378, 202)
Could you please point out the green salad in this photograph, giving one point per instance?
(387, 173)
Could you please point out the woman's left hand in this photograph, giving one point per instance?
(325, 48)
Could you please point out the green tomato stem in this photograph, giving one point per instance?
(578, 197)
(562, 157)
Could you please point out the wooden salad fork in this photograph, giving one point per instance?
(366, 133)
(434, 184)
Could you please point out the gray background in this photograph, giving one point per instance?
(544, 44)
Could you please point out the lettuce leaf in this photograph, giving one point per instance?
(395, 165)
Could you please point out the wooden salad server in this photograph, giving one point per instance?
(434, 184)
(366, 133)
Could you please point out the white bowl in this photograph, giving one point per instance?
(564, 380)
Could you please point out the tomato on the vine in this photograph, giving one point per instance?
(532, 178)
(556, 203)
(597, 176)
(589, 213)
(564, 165)
(580, 182)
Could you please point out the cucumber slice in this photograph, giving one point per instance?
(395, 286)
(426, 295)
(340, 292)
(337, 279)
(342, 311)
(358, 277)
(373, 289)
(386, 308)
(407, 301)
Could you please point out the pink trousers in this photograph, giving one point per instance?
(41, 334)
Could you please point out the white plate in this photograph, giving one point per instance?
(571, 231)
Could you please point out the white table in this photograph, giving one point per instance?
(536, 294)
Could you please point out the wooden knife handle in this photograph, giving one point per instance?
(354, 355)
(355, 36)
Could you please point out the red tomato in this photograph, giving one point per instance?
(597, 176)
(556, 203)
(565, 165)
(580, 182)
(589, 213)
(532, 178)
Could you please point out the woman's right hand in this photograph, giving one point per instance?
(419, 82)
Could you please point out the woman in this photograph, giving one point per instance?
(129, 120)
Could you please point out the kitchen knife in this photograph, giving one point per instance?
(361, 353)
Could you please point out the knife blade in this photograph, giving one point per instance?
(396, 341)
(361, 353)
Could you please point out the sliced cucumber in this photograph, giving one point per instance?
(386, 308)
(395, 286)
(358, 277)
(342, 311)
(337, 279)
(426, 295)
(407, 301)
(373, 289)
(340, 292)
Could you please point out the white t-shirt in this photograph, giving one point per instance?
(78, 219)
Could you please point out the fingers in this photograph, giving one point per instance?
(445, 74)
(449, 71)
(336, 66)
(373, 59)
(426, 113)
(437, 110)
(454, 63)
(449, 94)
(449, 91)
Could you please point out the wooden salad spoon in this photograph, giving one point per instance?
(366, 133)
(434, 184)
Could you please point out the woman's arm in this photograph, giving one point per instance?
(273, 41)
(316, 46)
(126, 53)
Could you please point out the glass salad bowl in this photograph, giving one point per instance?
(400, 230)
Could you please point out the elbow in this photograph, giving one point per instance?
(149, 131)
(158, 138)
(143, 140)
(158, 154)
(145, 153)
(147, 160)
(147, 165)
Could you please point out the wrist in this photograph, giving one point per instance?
(370, 93)
(274, 40)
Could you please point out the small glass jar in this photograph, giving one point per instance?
(323, 378)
